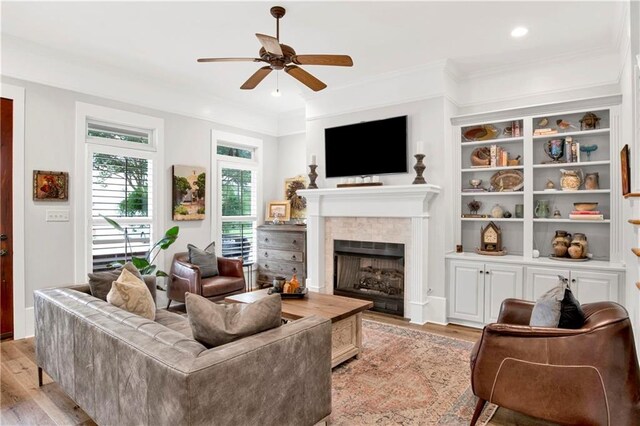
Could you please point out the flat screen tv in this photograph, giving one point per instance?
(369, 148)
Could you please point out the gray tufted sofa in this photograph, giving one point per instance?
(123, 369)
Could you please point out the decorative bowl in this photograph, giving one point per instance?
(585, 207)
(475, 182)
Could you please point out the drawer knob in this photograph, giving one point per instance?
(481, 272)
(573, 280)
(295, 241)
(293, 257)
(266, 254)
(266, 240)
(486, 272)
(295, 270)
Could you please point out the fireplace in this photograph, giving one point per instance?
(371, 271)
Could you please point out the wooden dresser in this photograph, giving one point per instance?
(282, 251)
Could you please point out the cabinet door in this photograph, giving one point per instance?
(500, 282)
(466, 290)
(589, 287)
(541, 280)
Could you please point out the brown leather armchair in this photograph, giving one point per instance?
(588, 376)
(185, 276)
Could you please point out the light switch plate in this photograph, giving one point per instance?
(58, 215)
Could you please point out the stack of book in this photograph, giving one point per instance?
(545, 131)
(590, 215)
(499, 157)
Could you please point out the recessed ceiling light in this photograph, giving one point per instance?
(519, 32)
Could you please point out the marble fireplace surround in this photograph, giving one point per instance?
(393, 214)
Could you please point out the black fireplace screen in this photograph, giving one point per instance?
(371, 271)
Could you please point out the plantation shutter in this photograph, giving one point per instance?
(239, 212)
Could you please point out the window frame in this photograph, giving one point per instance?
(86, 146)
(218, 162)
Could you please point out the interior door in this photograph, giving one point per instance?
(6, 219)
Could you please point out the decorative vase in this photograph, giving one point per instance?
(497, 211)
(592, 181)
(571, 179)
(555, 149)
(561, 243)
(579, 246)
(542, 209)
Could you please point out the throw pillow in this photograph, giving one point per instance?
(100, 282)
(130, 293)
(215, 324)
(571, 314)
(546, 311)
(206, 259)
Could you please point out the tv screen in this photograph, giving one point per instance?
(370, 148)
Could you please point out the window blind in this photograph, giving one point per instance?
(239, 208)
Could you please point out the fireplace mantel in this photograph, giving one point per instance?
(411, 202)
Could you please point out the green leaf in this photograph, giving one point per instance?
(140, 263)
(160, 273)
(113, 223)
(172, 232)
(149, 269)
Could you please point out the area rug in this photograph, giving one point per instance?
(405, 377)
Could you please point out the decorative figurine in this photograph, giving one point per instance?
(474, 206)
(564, 125)
(506, 214)
(589, 121)
(550, 186)
(543, 122)
(557, 214)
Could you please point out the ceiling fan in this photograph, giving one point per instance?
(280, 56)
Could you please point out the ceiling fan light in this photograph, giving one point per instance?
(276, 93)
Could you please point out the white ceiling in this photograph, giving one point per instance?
(161, 40)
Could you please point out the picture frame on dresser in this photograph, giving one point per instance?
(278, 210)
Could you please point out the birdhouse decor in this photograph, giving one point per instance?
(491, 241)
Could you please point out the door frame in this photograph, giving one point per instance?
(21, 324)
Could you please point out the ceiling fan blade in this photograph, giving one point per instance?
(305, 78)
(270, 44)
(230, 60)
(335, 60)
(256, 78)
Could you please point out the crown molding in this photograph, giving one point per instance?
(24, 60)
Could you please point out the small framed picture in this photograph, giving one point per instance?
(625, 169)
(279, 211)
(50, 186)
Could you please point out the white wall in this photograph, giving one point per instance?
(50, 145)
(426, 121)
(291, 160)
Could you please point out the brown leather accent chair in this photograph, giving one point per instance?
(185, 276)
(588, 376)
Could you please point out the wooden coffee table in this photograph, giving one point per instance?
(345, 314)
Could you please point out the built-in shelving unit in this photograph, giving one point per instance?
(477, 283)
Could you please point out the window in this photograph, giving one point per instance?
(118, 175)
(120, 190)
(238, 178)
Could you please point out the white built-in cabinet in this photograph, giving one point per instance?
(478, 289)
(478, 284)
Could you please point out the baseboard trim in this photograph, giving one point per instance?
(437, 312)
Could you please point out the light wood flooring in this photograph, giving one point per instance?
(24, 403)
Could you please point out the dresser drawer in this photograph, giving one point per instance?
(278, 267)
(293, 241)
(274, 254)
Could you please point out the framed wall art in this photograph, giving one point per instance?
(188, 193)
(279, 211)
(298, 203)
(625, 169)
(50, 186)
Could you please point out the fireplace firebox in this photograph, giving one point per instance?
(372, 271)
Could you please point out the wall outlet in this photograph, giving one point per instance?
(57, 215)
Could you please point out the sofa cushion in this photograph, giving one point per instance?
(571, 313)
(205, 259)
(175, 322)
(131, 294)
(546, 311)
(100, 282)
(215, 324)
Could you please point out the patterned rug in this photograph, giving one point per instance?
(405, 377)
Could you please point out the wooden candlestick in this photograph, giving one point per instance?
(419, 168)
(312, 177)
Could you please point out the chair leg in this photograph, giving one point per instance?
(478, 411)
(40, 377)
(168, 303)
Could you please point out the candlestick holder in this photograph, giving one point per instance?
(419, 168)
(313, 176)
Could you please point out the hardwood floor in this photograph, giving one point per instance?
(22, 402)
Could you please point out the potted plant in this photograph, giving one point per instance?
(146, 264)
